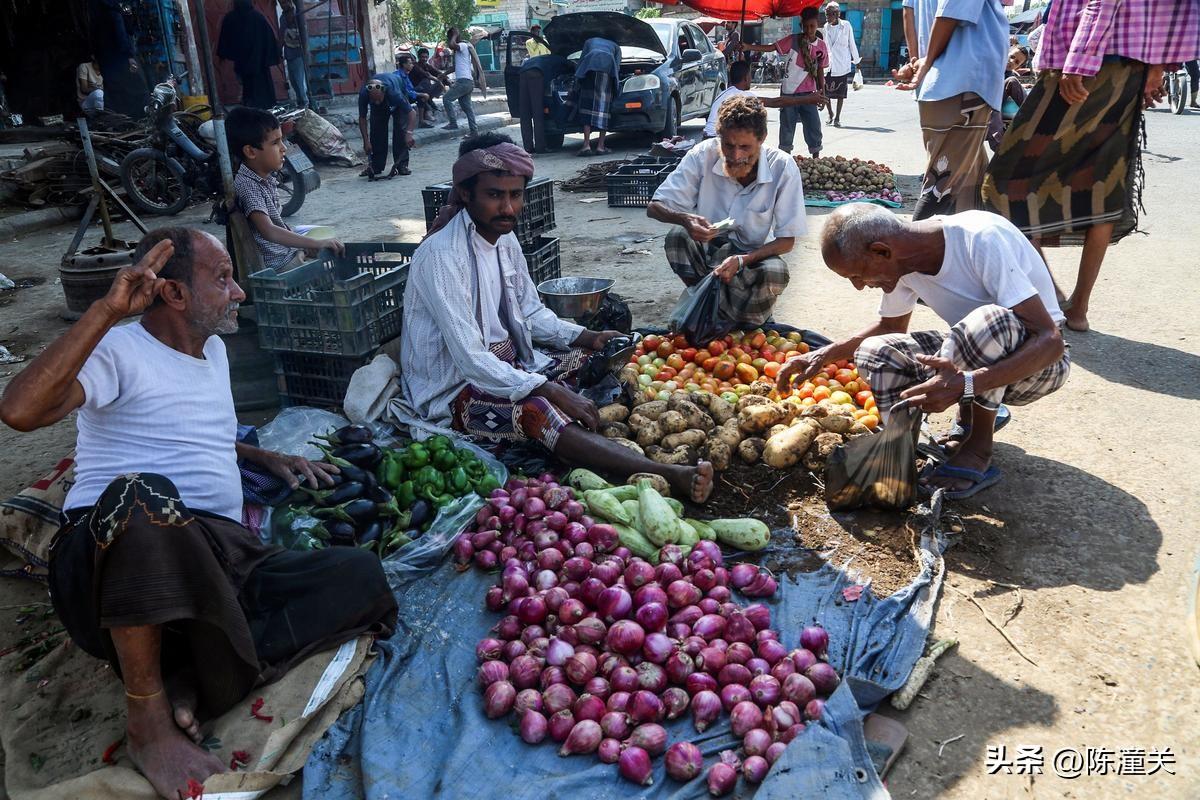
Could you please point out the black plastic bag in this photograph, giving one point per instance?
(612, 315)
(698, 314)
(878, 470)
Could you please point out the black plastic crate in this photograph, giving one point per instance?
(544, 260)
(633, 185)
(535, 219)
(344, 306)
(307, 379)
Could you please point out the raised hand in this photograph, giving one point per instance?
(135, 287)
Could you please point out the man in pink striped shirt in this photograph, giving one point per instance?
(1066, 171)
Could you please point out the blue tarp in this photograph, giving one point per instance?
(420, 731)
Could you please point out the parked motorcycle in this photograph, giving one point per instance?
(178, 164)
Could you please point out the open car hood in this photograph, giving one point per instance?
(566, 33)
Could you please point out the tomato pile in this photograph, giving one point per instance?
(740, 363)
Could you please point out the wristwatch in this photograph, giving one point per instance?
(968, 394)
(741, 262)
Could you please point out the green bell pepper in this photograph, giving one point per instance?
(444, 460)
(443, 500)
(428, 477)
(486, 485)
(395, 471)
(439, 443)
(405, 494)
(416, 456)
(458, 481)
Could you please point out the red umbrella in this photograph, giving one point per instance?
(751, 10)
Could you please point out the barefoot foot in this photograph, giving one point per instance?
(700, 482)
(162, 752)
(181, 692)
(1077, 321)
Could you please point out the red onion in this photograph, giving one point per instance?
(739, 629)
(625, 637)
(489, 649)
(558, 697)
(799, 689)
(576, 569)
(571, 611)
(506, 514)
(758, 667)
(692, 645)
(614, 603)
(558, 652)
(551, 676)
(590, 630)
(624, 679)
(609, 662)
(561, 724)
(652, 617)
(507, 552)
(486, 560)
(744, 718)
(710, 626)
(756, 741)
(543, 539)
(684, 761)
(771, 651)
(814, 638)
(599, 687)
(814, 709)
(545, 580)
(537, 647)
(688, 616)
(670, 554)
(463, 549)
(584, 550)
(481, 539)
(704, 579)
(584, 738)
(675, 702)
(722, 575)
(697, 560)
(755, 769)
(638, 573)
(710, 549)
(494, 599)
(657, 648)
(794, 731)
(616, 725)
(734, 693)
(666, 574)
(734, 673)
(651, 737)
(634, 766)
(706, 707)
(742, 574)
(518, 496)
(498, 698)
(719, 644)
(603, 537)
(824, 677)
(679, 665)
(580, 668)
(721, 779)
(606, 572)
(533, 726)
(803, 659)
(490, 672)
(759, 616)
(699, 682)
(650, 593)
(766, 690)
(555, 597)
(533, 508)
(528, 700)
(609, 751)
(524, 671)
(720, 594)
(618, 701)
(786, 714)
(588, 707)
(651, 677)
(680, 594)
(738, 653)
(709, 606)
(711, 659)
(532, 610)
(557, 521)
(783, 667)
(573, 509)
(645, 706)
(589, 591)
(775, 751)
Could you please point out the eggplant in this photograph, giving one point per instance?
(366, 455)
(422, 512)
(362, 511)
(357, 474)
(414, 533)
(342, 494)
(371, 533)
(349, 434)
(378, 494)
(341, 533)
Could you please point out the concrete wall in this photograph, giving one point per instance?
(377, 40)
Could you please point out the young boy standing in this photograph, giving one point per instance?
(255, 138)
(807, 57)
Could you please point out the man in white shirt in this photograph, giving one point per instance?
(472, 318)
(978, 273)
(152, 569)
(468, 73)
(737, 177)
(739, 84)
(843, 55)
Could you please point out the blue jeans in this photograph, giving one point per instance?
(299, 80)
(809, 117)
(461, 91)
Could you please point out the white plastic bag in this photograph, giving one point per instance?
(371, 387)
(857, 83)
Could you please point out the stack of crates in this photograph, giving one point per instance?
(325, 318)
(634, 183)
(537, 219)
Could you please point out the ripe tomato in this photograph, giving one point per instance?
(716, 347)
(744, 358)
(675, 361)
(780, 357)
(746, 373)
(687, 372)
(758, 339)
(862, 397)
(820, 380)
(688, 353)
(771, 369)
(803, 347)
(805, 391)
(710, 363)
(651, 342)
(871, 421)
(680, 341)
(665, 349)
(844, 376)
(758, 364)
(843, 363)
(852, 387)
(736, 352)
(808, 401)
(767, 351)
(724, 370)
(701, 356)
(821, 393)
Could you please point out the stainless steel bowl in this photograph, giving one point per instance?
(574, 297)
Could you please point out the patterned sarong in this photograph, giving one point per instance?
(595, 100)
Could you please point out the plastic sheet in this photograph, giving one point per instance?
(421, 731)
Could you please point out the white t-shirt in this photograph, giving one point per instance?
(987, 261)
(710, 128)
(151, 408)
(487, 258)
(462, 62)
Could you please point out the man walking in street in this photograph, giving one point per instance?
(466, 68)
(807, 56)
(292, 37)
(384, 99)
(961, 47)
(535, 73)
(843, 55)
(739, 84)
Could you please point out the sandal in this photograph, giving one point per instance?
(980, 480)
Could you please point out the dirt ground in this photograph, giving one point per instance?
(1094, 520)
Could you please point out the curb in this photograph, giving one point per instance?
(483, 122)
(31, 221)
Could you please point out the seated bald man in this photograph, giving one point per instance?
(152, 569)
(978, 273)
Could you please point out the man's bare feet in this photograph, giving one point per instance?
(696, 483)
(1077, 321)
(181, 691)
(161, 751)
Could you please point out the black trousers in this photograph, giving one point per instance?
(379, 118)
(532, 111)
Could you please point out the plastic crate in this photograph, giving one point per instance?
(307, 379)
(633, 185)
(535, 219)
(345, 306)
(544, 260)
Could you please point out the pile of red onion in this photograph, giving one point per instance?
(598, 647)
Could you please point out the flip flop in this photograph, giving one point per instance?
(980, 480)
(959, 432)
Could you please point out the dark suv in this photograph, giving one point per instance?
(670, 71)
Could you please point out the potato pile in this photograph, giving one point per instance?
(839, 173)
(690, 426)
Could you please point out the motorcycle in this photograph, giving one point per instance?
(178, 164)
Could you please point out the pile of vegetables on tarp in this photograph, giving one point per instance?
(842, 179)
(599, 645)
(382, 498)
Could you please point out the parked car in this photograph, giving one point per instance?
(670, 71)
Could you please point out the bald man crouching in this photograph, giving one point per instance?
(977, 272)
(152, 569)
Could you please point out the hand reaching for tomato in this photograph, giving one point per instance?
(799, 369)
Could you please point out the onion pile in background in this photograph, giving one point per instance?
(597, 648)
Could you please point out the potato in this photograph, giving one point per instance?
(815, 411)
(888, 492)
(748, 400)
(812, 461)
(615, 430)
(858, 429)
(629, 374)
(680, 455)
(672, 422)
(758, 419)
(825, 443)
(730, 436)
(636, 421)
(780, 428)
(786, 449)
(849, 496)
(657, 481)
(837, 423)
(631, 445)
(649, 434)
(718, 452)
(691, 437)
(652, 410)
(614, 412)
(720, 409)
(695, 417)
(750, 450)
(763, 387)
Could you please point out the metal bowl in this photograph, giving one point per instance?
(574, 297)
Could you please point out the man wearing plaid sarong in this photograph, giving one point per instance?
(977, 272)
(752, 189)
